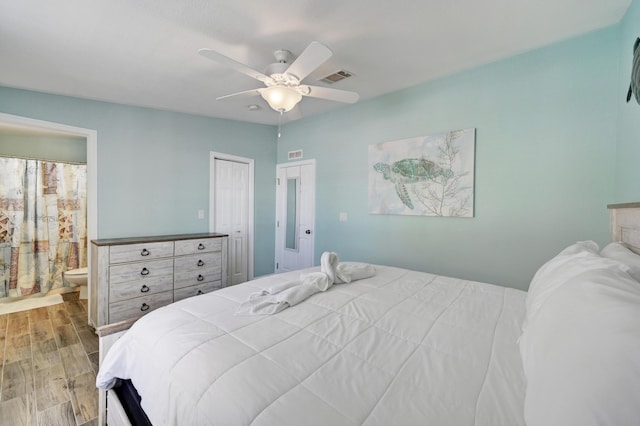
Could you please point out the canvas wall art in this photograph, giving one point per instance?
(427, 176)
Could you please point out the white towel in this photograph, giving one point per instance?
(274, 299)
(349, 271)
(344, 272)
(272, 304)
(328, 264)
(275, 289)
(319, 280)
(291, 295)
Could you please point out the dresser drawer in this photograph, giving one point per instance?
(135, 308)
(138, 288)
(197, 262)
(197, 246)
(195, 290)
(140, 271)
(188, 278)
(136, 252)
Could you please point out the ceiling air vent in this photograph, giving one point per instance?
(337, 76)
(295, 155)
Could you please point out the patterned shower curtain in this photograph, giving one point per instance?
(43, 224)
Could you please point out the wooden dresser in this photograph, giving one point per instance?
(133, 276)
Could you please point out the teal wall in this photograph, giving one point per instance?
(153, 166)
(628, 155)
(547, 163)
(545, 152)
(44, 147)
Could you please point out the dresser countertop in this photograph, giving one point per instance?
(155, 239)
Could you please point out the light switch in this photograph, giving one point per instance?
(201, 214)
(343, 216)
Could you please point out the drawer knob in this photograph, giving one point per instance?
(145, 252)
(200, 262)
(144, 288)
(199, 293)
(200, 278)
(200, 246)
(144, 272)
(144, 307)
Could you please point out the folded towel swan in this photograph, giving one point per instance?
(273, 300)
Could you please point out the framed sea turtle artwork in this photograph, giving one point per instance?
(429, 175)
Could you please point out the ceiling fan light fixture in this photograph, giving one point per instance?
(281, 98)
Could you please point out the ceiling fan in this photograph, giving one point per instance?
(283, 88)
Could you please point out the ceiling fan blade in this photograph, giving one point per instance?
(330, 94)
(224, 60)
(311, 58)
(241, 95)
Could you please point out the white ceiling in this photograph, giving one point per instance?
(145, 52)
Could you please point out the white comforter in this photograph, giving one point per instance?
(400, 348)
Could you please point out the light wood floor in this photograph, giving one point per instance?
(49, 359)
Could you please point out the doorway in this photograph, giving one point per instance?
(295, 215)
(91, 138)
(231, 211)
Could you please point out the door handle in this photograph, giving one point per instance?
(308, 232)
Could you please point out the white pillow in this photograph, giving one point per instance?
(619, 252)
(581, 353)
(571, 261)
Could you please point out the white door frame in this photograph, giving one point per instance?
(91, 136)
(213, 156)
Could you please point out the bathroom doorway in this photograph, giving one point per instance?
(27, 127)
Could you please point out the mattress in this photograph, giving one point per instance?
(402, 347)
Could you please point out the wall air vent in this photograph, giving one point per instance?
(295, 155)
(337, 76)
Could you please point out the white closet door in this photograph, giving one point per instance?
(295, 216)
(232, 180)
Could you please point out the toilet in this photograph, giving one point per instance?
(77, 278)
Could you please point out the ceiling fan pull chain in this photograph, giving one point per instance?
(279, 122)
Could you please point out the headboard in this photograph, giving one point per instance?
(625, 224)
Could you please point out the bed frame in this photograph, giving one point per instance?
(625, 228)
(115, 415)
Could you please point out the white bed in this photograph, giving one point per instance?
(400, 348)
